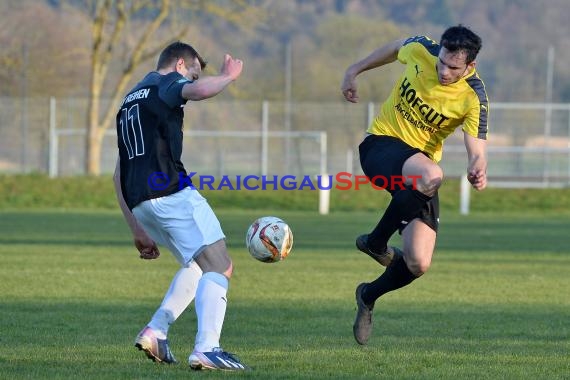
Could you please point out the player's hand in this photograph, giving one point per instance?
(348, 88)
(478, 179)
(146, 246)
(231, 67)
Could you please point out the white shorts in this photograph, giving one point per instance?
(184, 222)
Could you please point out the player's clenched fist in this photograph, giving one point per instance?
(231, 67)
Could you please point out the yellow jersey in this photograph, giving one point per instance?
(422, 112)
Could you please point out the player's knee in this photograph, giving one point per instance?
(430, 180)
(215, 260)
(418, 267)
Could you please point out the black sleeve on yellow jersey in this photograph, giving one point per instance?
(431, 46)
(479, 88)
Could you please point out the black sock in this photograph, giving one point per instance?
(404, 206)
(396, 276)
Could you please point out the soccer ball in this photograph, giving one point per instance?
(269, 239)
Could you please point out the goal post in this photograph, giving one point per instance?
(465, 195)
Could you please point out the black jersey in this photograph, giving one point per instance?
(149, 131)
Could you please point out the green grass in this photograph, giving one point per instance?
(494, 305)
(36, 190)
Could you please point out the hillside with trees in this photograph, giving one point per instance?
(47, 45)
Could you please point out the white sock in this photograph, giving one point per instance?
(179, 295)
(211, 310)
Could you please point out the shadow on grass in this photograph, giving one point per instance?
(88, 324)
(69, 340)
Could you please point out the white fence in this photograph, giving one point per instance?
(245, 137)
(529, 146)
(529, 143)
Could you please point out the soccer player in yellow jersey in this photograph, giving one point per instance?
(438, 91)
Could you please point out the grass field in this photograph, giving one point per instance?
(495, 304)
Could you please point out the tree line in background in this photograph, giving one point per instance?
(295, 49)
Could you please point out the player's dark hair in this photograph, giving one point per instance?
(177, 50)
(460, 38)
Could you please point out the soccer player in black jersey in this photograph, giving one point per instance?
(161, 206)
(438, 91)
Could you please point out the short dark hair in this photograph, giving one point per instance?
(460, 38)
(177, 50)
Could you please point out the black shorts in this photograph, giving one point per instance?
(384, 156)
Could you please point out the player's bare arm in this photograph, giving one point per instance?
(477, 161)
(381, 56)
(145, 245)
(210, 86)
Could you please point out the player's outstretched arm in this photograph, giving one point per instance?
(144, 244)
(209, 86)
(379, 57)
(477, 161)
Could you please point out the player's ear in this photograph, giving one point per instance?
(470, 67)
(179, 63)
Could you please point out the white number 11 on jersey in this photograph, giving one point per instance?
(132, 131)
